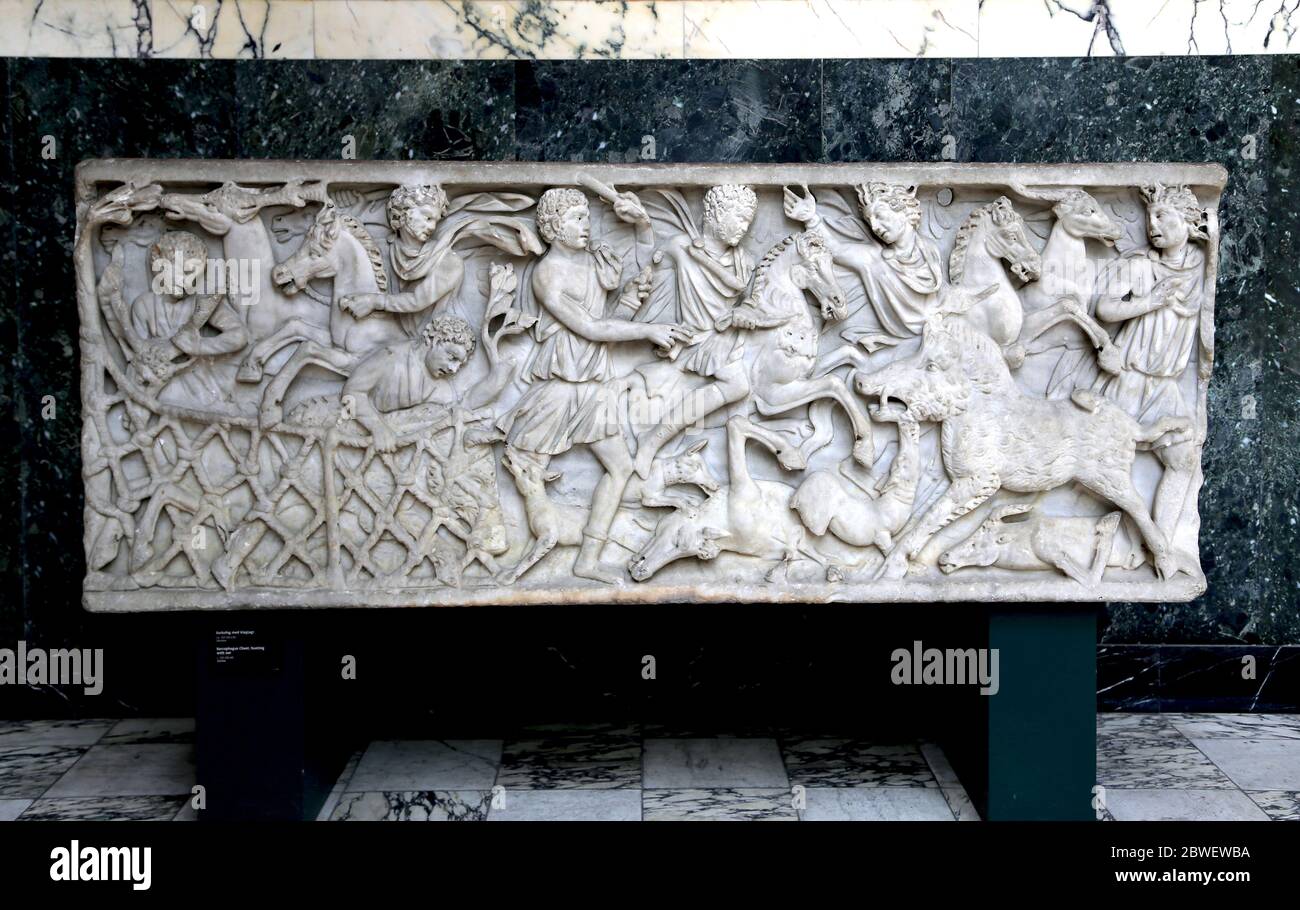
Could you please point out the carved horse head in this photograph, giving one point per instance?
(320, 253)
(801, 262)
(997, 230)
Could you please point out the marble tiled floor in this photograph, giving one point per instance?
(1149, 767)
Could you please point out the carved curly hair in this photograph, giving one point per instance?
(1182, 200)
(169, 244)
(898, 197)
(449, 330)
(729, 196)
(552, 207)
(408, 196)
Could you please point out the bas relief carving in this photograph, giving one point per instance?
(322, 384)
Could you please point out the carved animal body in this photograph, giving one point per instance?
(993, 233)
(552, 523)
(684, 468)
(828, 500)
(750, 517)
(994, 437)
(781, 372)
(1080, 546)
(231, 213)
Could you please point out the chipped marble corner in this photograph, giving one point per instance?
(418, 383)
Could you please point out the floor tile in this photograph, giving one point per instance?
(569, 805)
(1237, 726)
(588, 762)
(340, 787)
(149, 769)
(12, 808)
(854, 763)
(105, 809)
(1256, 764)
(23, 733)
(1182, 805)
(1281, 805)
(876, 804)
(741, 804)
(690, 764)
(414, 806)
(135, 730)
(464, 764)
(1156, 760)
(29, 771)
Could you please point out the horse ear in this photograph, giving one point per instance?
(697, 447)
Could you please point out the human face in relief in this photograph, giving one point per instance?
(421, 220)
(1166, 227)
(887, 224)
(445, 358)
(732, 224)
(574, 230)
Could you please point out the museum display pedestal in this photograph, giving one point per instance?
(1030, 751)
(273, 725)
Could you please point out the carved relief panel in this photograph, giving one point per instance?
(389, 384)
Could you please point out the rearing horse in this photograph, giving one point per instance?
(231, 213)
(991, 234)
(336, 246)
(789, 338)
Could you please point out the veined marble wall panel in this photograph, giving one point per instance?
(643, 29)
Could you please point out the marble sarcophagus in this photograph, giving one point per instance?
(421, 383)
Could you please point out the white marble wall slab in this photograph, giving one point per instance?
(252, 29)
(643, 29)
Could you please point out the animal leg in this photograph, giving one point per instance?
(740, 429)
(1120, 491)
(540, 548)
(962, 495)
(777, 399)
(309, 352)
(294, 330)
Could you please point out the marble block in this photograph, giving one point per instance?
(355, 383)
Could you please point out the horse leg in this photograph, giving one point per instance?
(308, 352)
(251, 369)
(1036, 324)
(779, 398)
(845, 353)
(740, 428)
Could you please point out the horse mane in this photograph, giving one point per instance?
(961, 244)
(358, 231)
(765, 264)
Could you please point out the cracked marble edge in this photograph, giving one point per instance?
(645, 29)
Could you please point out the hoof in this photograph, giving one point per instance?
(249, 372)
(864, 452)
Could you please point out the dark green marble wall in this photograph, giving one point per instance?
(1178, 109)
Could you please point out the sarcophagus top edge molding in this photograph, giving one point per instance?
(346, 383)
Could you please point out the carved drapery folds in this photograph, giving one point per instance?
(370, 384)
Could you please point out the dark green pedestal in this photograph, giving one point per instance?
(1042, 739)
(1029, 752)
